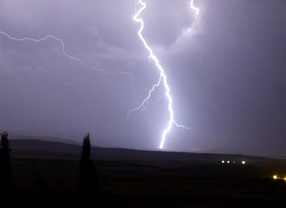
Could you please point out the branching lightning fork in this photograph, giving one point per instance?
(162, 78)
(65, 54)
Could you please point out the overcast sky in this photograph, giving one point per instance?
(226, 69)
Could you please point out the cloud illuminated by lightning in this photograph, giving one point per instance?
(162, 78)
(63, 46)
(49, 77)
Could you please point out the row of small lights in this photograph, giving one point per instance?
(275, 177)
(242, 162)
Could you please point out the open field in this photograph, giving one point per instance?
(132, 179)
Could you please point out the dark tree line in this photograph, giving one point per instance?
(88, 192)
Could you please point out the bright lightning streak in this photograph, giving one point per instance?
(161, 78)
(194, 8)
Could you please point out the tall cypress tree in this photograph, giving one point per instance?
(5, 168)
(88, 193)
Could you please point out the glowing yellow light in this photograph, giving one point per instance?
(222, 161)
(233, 161)
(243, 162)
(275, 177)
(227, 161)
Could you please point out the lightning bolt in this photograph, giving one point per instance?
(197, 11)
(162, 78)
(64, 48)
(35, 71)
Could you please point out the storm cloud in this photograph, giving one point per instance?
(226, 69)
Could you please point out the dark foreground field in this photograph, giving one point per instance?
(134, 179)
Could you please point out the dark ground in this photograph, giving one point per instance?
(46, 179)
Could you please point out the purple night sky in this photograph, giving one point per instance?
(226, 70)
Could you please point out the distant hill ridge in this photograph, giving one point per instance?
(73, 151)
(43, 145)
(43, 138)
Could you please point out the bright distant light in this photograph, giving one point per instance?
(222, 161)
(243, 162)
(233, 162)
(275, 177)
(227, 161)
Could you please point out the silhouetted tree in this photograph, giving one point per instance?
(88, 193)
(5, 169)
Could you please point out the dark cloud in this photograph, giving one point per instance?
(226, 69)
